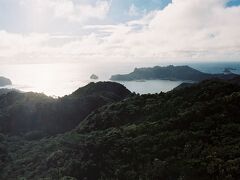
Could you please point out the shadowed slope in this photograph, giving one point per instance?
(191, 133)
(26, 112)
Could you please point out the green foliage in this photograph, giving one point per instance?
(37, 115)
(186, 134)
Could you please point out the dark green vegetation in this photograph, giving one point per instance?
(188, 134)
(37, 115)
(5, 81)
(169, 73)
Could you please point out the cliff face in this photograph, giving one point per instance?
(5, 81)
(169, 73)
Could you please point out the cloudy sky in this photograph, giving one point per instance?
(42, 31)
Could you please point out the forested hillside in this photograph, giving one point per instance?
(189, 133)
(38, 115)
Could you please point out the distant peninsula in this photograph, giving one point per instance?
(173, 73)
(5, 81)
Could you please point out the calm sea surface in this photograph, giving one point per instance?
(63, 79)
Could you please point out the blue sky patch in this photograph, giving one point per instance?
(233, 3)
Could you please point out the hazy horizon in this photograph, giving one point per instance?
(62, 79)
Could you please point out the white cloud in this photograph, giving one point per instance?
(187, 29)
(13, 44)
(80, 12)
(74, 11)
(191, 30)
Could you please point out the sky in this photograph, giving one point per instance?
(111, 31)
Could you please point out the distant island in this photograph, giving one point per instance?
(94, 76)
(5, 81)
(173, 73)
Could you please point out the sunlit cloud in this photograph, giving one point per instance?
(70, 10)
(184, 30)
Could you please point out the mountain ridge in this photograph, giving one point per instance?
(25, 112)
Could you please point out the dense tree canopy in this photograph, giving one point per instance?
(26, 112)
(189, 133)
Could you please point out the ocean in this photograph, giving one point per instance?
(62, 79)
